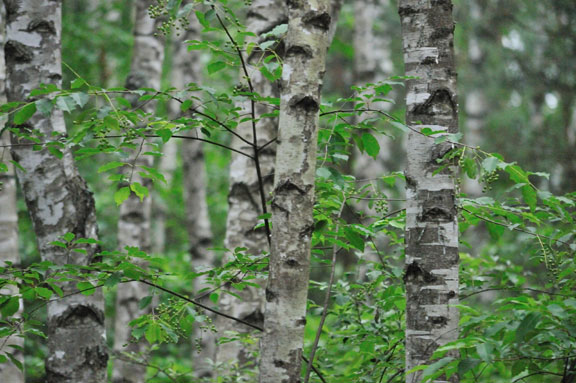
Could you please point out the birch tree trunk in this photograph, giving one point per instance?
(292, 206)
(431, 275)
(57, 197)
(244, 205)
(134, 220)
(9, 372)
(187, 69)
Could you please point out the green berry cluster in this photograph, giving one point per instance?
(169, 23)
(487, 179)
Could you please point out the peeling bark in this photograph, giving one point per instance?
(134, 220)
(244, 199)
(431, 218)
(292, 207)
(57, 197)
(9, 372)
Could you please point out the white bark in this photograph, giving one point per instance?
(134, 220)
(244, 198)
(9, 372)
(57, 197)
(292, 206)
(431, 218)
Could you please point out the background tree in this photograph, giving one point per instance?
(135, 212)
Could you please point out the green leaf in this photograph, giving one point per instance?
(153, 333)
(44, 292)
(44, 106)
(430, 370)
(77, 83)
(530, 196)
(80, 98)
(484, 351)
(145, 302)
(66, 103)
(354, 238)
(10, 307)
(164, 134)
(85, 288)
(495, 231)
(121, 195)
(24, 114)
(371, 145)
(216, 66)
(140, 190)
(527, 325)
(490, 164)
(68, 237)
(467, 364)
(214, 297)
(400, 126)
(110, 166)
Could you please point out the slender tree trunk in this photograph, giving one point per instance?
(431, 218)
(244, 197)
(292, 207)
(57, 197)
(187, 69)
(134, 220)
(9, 372)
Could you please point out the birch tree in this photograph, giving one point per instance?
(244, 197)
(57, 197)
(134, 220)
(292, 206)
(9, 372)
(186, 71)
(431, 274)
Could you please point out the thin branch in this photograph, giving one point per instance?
(536, 373)
(513, 289)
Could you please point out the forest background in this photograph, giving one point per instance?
(516, 87)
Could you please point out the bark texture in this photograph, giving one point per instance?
(134, 220)
(9, 372)
(187, 69)
(244, 205)
(431, 274)
(292, 206)
(57, 197)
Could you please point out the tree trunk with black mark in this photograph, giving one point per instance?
(292, 206)
(431, 275)
(57, 197)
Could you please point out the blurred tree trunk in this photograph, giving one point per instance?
(134, 220)
(431, 218)
(9, 372)
(476, 104)
(187, 70)
(244, 197)
(372, 63)
(306, 43)
(57, 197)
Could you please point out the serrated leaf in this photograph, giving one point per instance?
(10, 307)
(44, 106)
(80, 98)
(371, 145)
(490, 164)
(530, 197)
(66, 103)
(153, 333)
(354, 238)
(484, 351)
(430, 370)
(527, 325)
(214, 297)
(140, 190)
(68, 237)
(121, 195)
(24, 114)
(216, 66)
(400, 126)
(110, 166)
